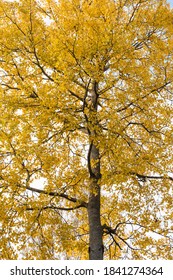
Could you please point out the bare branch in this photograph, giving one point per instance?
(116, 242)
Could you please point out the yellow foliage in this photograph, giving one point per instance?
(86, 104)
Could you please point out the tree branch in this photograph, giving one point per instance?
(112, 231)
(55, 194)
(144, 177)
(116, 242)
(159, 89)
(55, 208)
(75, 95)
(40, 66)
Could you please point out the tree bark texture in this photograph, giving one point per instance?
(95, 228)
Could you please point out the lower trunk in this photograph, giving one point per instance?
(95, 229)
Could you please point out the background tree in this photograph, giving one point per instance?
(86, 113)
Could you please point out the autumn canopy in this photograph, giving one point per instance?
(86, 129)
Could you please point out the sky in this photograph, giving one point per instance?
(171, 2)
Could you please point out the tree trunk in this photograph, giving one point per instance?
(95, 229)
